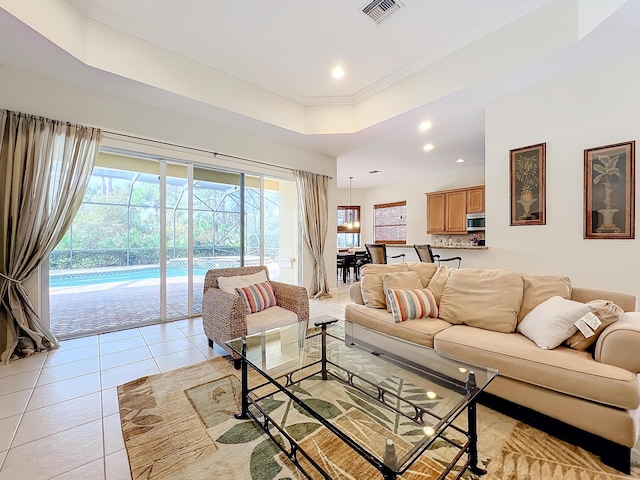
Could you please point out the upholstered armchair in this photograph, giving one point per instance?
(224, 315)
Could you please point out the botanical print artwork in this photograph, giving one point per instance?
(609, 193)
(527, 185)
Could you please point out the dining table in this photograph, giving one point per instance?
(346, 261)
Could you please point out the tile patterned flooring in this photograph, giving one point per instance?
(59, 410)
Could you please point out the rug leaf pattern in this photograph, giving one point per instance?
(179, 425)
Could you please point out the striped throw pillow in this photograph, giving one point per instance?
(257, 297)
(411, 304)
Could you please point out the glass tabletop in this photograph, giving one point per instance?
(366, 397)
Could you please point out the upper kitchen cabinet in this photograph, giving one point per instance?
(475, 199)
(447, 210)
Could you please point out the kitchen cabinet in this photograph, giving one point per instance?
(435, 212)
(475, 199)
(456, 212)
(447, 210)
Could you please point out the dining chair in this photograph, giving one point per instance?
(425, 254)
(378, 253)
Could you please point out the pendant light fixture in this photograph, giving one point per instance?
(351, 223)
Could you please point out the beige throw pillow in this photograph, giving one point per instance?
(400, 281)
(488, 299)
(371, 282)
(229, 284)
(607, 312)
(424, 269)
(538, 288)
(438, 281)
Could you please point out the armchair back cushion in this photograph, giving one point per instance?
(488, 299)
(229, 284)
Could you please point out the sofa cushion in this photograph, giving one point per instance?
(424, 269)
(553, 321)
(562, 369)
(371, 283)
(400, 281)
(488, 299)
(438, 281)
(229, 284)
(420, 331)
(607, 313)
(257, 297)
(411, 304)
(538, 288)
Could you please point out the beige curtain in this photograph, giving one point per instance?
(45, 166)
(314, 215)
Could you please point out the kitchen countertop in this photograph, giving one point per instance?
(440, 246)
(459, 247)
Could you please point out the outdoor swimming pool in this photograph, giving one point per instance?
(82, 278)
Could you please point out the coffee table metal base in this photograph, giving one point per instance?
(292, 449)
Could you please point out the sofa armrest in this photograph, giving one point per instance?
(355, 293)
(292, 297)
(619, 343)
(224, 317)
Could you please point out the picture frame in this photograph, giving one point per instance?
(528, 185)
(609, 191)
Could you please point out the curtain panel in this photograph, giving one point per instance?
(313, 204)
(45, 166)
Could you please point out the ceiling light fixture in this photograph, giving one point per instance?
(460, 160)
(351, 222)
(337, 72)
(428, 147)
(373, 172)
(425, 126)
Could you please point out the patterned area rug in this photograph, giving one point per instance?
(180, 425)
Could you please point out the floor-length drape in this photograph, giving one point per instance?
(45, 166)
(314, 216)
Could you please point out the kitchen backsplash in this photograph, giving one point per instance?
(463, 239)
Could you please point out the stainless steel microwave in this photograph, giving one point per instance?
(475, 222)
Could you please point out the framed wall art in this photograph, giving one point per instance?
(527, 180)
(609, 193)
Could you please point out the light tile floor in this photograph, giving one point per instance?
(59, 410)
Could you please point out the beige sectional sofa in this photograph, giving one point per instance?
(593, 395)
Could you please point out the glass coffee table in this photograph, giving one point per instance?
(333, 407)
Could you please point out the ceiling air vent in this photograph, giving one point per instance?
(380, 10)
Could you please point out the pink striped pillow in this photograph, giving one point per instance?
(411, 304)
(257, 297)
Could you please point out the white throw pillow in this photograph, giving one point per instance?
(553, 321)
(229, 284)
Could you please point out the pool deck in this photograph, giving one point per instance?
(77, 311)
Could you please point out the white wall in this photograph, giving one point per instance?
(28, 93)
(594, 107)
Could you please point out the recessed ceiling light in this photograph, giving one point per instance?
(337, 72)
(425, 126)
(428, 147)
(373, 172)
(460, 160)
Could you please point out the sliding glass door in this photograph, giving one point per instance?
(148, 231)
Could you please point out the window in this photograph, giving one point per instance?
(348, 236)
(390, 223)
